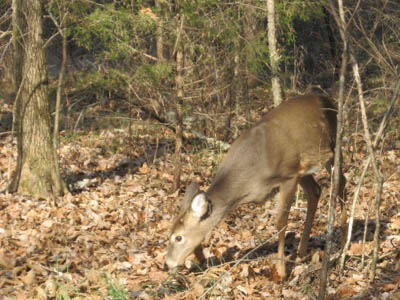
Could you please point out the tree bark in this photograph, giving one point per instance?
(62, 30)
(273, 53)
(232, 104)
(36, 172)
(159, 33)
(178, 103)
(338, 158)
(17, 84)
(17, 45)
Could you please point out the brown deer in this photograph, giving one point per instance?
(289, 144)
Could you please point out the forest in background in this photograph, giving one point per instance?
(121, 56)
(119, 115)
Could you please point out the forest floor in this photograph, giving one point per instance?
(107, 239)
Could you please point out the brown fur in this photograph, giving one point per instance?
(282, 150)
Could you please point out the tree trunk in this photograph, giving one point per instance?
(273, 53)
(233, 103)
(17, 46)
(159, 33)
(36, 172)
(178, 103)
(337, 163)
(62, 28)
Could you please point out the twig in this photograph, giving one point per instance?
(4, 33)
(238, 261)
(179, 36)
(378, 136)
(377, 172)
(365, 226)
(7, 132)
(77, 121)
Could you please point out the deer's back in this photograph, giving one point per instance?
(294, 139)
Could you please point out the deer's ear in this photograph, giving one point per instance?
(191, 190)
(199, 205)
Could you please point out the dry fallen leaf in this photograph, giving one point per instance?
(118, 227)
(158, 276)
(274, 274)
(355, 249)
(94, 276)
(5, 261)
(50, 287)
(42, 294)
(197, 289)
(345, 291)
(299, 269)
(144, 169)
(396, 223)
(29, 278)
(315, 259)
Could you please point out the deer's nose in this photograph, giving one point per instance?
(166, 268)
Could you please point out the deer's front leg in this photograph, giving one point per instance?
(287, 190)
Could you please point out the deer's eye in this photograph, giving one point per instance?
(179, 238)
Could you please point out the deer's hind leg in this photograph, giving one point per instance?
(313, 192)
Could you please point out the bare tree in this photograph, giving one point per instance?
(159, 41)
(274, 56)
(340, 20)
(338, 157)
(178, 103)
(378, 175)
(36, 171)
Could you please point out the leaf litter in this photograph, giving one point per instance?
(107, 239)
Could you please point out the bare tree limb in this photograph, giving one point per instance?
(382, 126)
(338, 157)
(5, 33)
(371, 151)
(61, 27)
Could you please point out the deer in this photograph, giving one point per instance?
(285, 148)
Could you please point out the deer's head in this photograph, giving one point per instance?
(190, 227)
